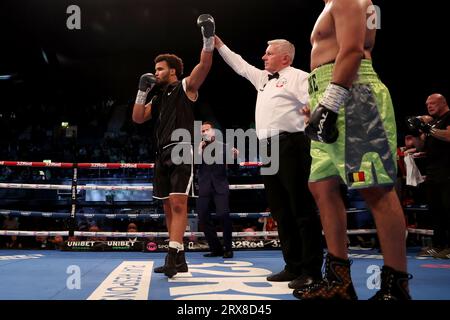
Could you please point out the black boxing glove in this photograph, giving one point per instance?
(208, 27)
(146, 83)
(322, 125)
(322, 122)
(416, 123)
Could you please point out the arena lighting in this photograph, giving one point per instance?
(44, 55)
(64, 124)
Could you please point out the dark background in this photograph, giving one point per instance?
(69, 69)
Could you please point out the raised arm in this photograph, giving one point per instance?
(201, 70)
(238, 64)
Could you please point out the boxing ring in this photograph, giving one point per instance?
(121, 267)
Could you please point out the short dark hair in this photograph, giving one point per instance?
(208, 122)
(173, 62)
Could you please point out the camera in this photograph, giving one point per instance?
(417, 125)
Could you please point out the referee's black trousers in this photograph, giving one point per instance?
(293, 207)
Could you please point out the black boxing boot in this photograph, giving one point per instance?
(337, 282)
(171, 264)
(181, 264)
(394, 285)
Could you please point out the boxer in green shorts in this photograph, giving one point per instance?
(352, 128)
(364, 153)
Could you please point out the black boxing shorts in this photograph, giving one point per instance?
(174, 171)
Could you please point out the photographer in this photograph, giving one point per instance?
(434, 140)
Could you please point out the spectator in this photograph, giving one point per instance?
(434, 140)
(12, 223)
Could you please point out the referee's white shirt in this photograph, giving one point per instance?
(279, 102)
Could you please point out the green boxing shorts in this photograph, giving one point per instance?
(364, 154)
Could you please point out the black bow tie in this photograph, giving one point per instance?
(276, 75)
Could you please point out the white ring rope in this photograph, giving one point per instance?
(166, 234)
(128, 234)
(137, 188)
(17, 213)
(35, 186)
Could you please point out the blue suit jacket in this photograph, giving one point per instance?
(213, 178)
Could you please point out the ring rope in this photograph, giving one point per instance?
(128, 234)
(99, 165)
(107, 187)
(166, 234)
(88, 165)
(18, 213)
(76, 187)
(73, 201)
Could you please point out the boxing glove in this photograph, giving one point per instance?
(416, 123)
(146, 83)
(322, 122)
(208, 27)
(322, 125)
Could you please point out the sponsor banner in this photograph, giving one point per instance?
(202, 245)
(161, 245)
(256, 244)
(129, 281)
(131, 244)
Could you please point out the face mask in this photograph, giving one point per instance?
(208, 137)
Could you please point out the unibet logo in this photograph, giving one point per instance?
(80, 243)
(128, 243)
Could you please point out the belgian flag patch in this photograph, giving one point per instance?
(356, 177)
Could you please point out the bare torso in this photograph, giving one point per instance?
(323, 38)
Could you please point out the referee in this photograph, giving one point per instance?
(282, 93)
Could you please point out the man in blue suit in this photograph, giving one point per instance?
(213, 186)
